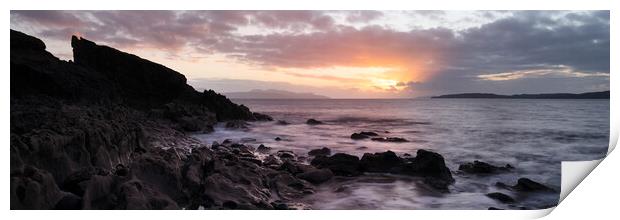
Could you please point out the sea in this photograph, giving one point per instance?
(533, 135)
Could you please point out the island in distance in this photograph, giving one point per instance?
(272, 94)
(589, 95)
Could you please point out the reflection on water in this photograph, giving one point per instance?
(532, 135)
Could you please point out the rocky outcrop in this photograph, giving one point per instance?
(428, 165)
(107, 132)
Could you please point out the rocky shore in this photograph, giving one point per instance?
(110, 130)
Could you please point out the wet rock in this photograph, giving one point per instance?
(381, 162)
(479, 167)
(316, 176)
(358, 136)
(313, 121)
(493, 208)
(272, 161)
(528, 185)
(369, 133)
(390, 139)
(431, 166)
(237, 124)
(500, 197)
(278, 139)
(340, 164)
(320, 152)
(261, 117)
(285, 154)
(282, 122)
(263, 149)
(289, 188)
(362, 148)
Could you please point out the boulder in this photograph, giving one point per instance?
(528, 185)
(390, 139)
(282, 122)
(500, 197)
(263, 149)
(358, 136)
(340, 164)
(386, 162)
(320, 152)
(316, 176)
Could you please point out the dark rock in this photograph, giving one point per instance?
(320, 152)
(69, 202)
(340, 164)
(361, 148)
(289, 188)
(430, 165)
(313, 121)
(493, 208)
(261, 117)
(237, 124)
(33, 188)
(282, 122)
(369, 133)
(479, 167)
(381, 162)
(528, 185)
(390, 139)
(358, 136)
(316, 176)
(272, 161)
(278, 139)
(263, 149)
(500, 197)
(284, 154)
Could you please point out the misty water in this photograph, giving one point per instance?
(532, 135)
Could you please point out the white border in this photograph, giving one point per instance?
(316, 5)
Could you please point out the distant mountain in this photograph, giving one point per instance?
(272, 94)
(589, 95)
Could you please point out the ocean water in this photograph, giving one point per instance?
(532, 135)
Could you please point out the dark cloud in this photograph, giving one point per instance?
(526, 40)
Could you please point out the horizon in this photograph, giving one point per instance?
(387, 54)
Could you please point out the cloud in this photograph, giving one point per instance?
(515, 46)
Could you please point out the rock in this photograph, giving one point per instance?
(358, 136)
(237, 124)
(479, 167)
(528, 185)
(340, 164)
(362, 148)
(272, 161)
(33, 188)
(369, 133)
(386, 162)
(278, 139)
(69, 202)
(289, 188)
(320, 152)
(285, 154)
(316, 176)
(282, 122)
(390, 139)
(313, 121)
(261, 117)
(430, 165)
(493, 208)
(263, 149)
(500, 197)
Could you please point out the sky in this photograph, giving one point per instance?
(351, 54)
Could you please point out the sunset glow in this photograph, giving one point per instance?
(350, 54)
